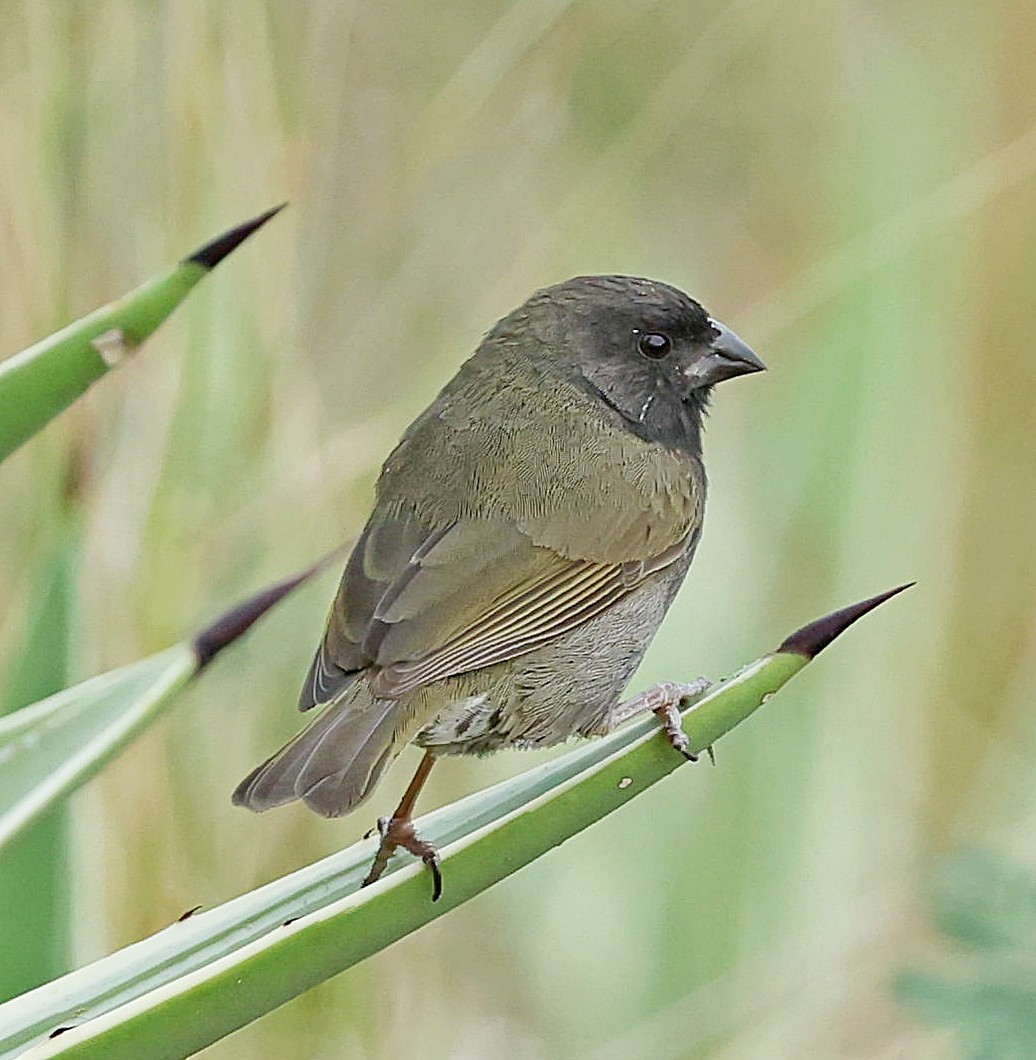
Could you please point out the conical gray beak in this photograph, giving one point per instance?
(727, 356)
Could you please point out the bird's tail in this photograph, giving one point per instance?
(334, 764)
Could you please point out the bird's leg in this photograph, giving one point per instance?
(398, 831)
(664, 700)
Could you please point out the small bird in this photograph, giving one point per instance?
(529, 532)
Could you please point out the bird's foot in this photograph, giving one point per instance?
(399, 832)
(665, 701)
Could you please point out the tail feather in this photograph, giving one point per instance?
(333, 764)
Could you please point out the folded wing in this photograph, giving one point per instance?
(419, 604)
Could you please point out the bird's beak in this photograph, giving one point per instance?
(726, 356)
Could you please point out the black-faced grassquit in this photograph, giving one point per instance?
(529, 533)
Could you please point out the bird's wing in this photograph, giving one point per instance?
(417, 604)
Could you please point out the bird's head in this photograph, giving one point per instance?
(647, 350)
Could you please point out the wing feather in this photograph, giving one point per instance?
(483, 649)
(420, 604)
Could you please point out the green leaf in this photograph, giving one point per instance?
(984, 903)
(35, 871)
(986, 909)
(38, 383)
(51, 747)
(203, 977)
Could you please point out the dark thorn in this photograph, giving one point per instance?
(432, 861)
(291, 920)
(812, 639)
(187, 916)
(59, 1030)
(689, 755)
(231, 625)
(712, 754)
(210, 255)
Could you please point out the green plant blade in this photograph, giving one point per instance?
(38, 383)
(35, 874)
(50, 748)
(184, 988)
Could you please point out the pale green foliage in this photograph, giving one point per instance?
(51, 747)
(985, 907)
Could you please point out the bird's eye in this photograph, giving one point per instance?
(654, 344)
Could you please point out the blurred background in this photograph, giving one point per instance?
(850, 185)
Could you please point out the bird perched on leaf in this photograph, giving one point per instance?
(529, 533)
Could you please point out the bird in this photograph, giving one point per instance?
(529, 532)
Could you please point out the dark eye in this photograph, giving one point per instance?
(654, 344)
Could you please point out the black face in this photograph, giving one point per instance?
(650, 352)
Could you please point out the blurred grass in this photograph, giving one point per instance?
(850, 186)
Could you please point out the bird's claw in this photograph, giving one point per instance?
(671, 695)
(399, 832)
(669, 715)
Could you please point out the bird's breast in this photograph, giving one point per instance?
(553, 463)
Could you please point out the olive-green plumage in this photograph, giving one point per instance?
(529, 532)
